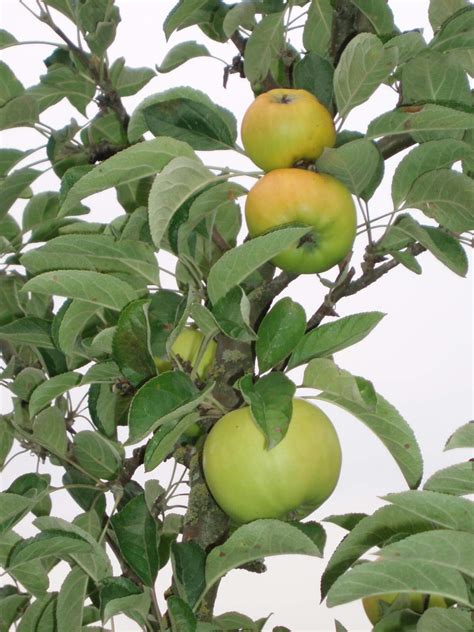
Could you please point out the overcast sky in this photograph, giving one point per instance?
(419, 357)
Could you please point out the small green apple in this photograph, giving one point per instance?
(418, 602)
(187, 346)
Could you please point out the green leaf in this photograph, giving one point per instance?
(188, 561)
(49, 544)
(264, 46)
(363, 66)
(378, 13)
(10, 86)
(100, 253)
(431, 76)
(26, 381)
(315, 74)
(33, 575)
(440, 10)
(443, 246)
(93, 287)
(71, 599)
(355, 164)
(271, 404)
(446, 196)
(7, 39)
(49, 430)
(429, 156)
(463, 437)
(9, 158)
(317, 30)
(108, 407)
(19, 112)
(131, 341)
(39, 615)
(70, 324)
(12, 187)
(358, 397)
(332, 337)
(137, 536)
(65, 82)
(237, 264)
(260, 538)
(457, 33)
(48, 391)
(131, 164)
(128, 81)
(179, 181)
(115, 593)
(232, 314)
(12, 604)
(420, 118)
(453, 550)
(346, 521)
(165, 438)
(442, 619)
(190, 116)
(405, 576)
(85, 496)
(6, 440)
(181, 615)
(180, 54)
(96, 455)
(186, 13)
(106, 372)
(161, 399)
(408, 45)
(279, 333)
(456, 479)
(28, 331)
(242, 14)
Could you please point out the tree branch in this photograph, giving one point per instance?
(391, 145)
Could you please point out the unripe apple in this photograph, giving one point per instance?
(418, 602)
(290, 480)
(187, 346)
(283, 126)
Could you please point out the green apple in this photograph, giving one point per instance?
(418, 602)
(290, 480)
(187, 346)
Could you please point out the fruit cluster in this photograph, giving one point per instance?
(283, 128)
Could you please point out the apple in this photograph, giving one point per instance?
(290, 480)
(187, 346)
(285, 125)
(418, 602)
(297, 197)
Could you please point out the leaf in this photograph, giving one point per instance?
(45, 545)
(190, 116)
(443, 246)
(429, 156)
(181, 615)
(48, 391)
(329, 338)
(33, 575)
(131, 342)
(128, 81)
(279, 333)
(28, 331)
(446, 196)
(260, 538)
(420, 118)
(378, 13)
(453, 550)
(463, 437)
(457, 33)
(408, 45)
(237, 264)
(10, 86)
(358, 397)
(106, 372)
(99, 253)
(188, 561)
(137, 536)
(242, 14)
(405, 576)
(65, 82)
(317, 30)
(7, 39)
(363, 66)
(186, 13)
(315, 74)
(346, 521)
(180, 54)
(19, 112)
(165, 438)
(115, 592)
(12, 187)
(6, 440)
(12, 604)
(440, 10)
(71, 599)
(179, 181)
(13, 508)
(170, 395)
(129, 165)
(442, 619)
(49, 430)
(271, 404)
(92, 287)
(232, 314)
(86, 496)
(263, 46)
(456, 479)
(39, 615)
(96, 455)
(69, 324)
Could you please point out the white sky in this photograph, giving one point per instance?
(419, 357)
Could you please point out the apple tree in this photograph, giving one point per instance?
(117, 365)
